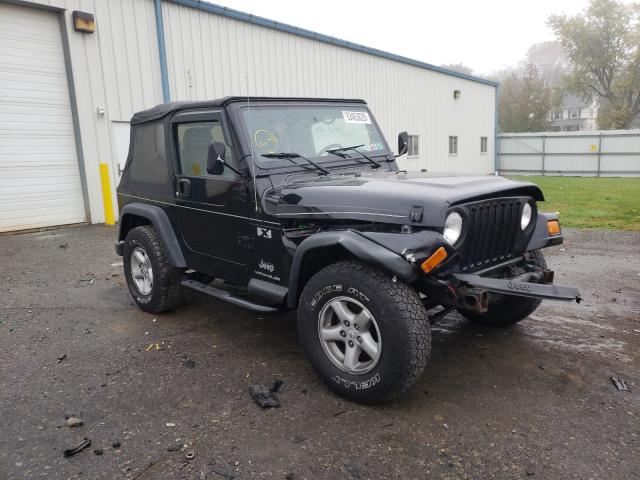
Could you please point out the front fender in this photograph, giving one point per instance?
(383, 250)
(160, 221)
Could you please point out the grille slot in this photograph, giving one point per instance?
(492, 230)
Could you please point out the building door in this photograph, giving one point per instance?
(40, 182)
(121, 134)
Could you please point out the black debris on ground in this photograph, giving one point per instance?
(70, 452)
(620, 384)
(264, 396)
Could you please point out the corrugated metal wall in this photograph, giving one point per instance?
(116, 68)
(603, 153)
(212, 56)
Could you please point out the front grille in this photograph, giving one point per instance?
(493, 228)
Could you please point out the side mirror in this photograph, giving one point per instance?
(215, 158)
(403, 143)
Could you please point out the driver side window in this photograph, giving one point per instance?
(193, 144)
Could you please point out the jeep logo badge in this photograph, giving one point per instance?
(518, 286)
(269, 267)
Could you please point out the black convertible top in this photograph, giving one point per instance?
(164, 109)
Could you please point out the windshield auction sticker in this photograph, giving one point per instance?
(356, 117)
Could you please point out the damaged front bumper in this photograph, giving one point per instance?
(521, 286)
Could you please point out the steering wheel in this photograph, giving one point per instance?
(329, 147)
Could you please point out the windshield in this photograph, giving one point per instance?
(311, 131)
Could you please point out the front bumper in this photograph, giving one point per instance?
(520, 287)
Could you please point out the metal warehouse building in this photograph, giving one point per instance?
(67, 93)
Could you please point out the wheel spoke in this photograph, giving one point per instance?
(362, 320)
(351, 357)
(369, 345)
(139, 256)
(332, 334)
(341, 311)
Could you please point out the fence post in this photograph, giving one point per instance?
(599, 152)
(544, 146)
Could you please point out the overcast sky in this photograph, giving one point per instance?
(486, 35)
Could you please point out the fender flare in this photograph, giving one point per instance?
(160, 221)
(358, 245)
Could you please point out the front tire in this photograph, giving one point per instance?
(366, 336)
(153, 282)
(509, 309)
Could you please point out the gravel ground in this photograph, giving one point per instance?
(534, 401)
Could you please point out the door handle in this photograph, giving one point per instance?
(184, 187)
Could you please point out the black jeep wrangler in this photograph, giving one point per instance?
(283, 203)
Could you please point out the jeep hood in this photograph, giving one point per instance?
(386, 197)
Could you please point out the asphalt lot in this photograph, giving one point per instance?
(532, 401)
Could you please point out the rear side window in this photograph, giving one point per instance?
(193, 144)
(149, 161)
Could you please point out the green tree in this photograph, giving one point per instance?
(525, 102)
(603, 44)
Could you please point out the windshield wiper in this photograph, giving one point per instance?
(354, 148)
(291, 156)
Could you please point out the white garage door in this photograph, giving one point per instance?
(39, 176)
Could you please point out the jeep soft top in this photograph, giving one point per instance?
(280, 203)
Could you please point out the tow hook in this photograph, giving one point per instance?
(474, 299)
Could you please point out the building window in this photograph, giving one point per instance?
(413, 150)
(483, 144)
(453, 145)
(574, 113)
(557, 114)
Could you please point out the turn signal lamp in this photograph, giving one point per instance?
(553, 227)
(434, 260)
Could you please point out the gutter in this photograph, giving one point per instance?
(162, 52)
(496, 141)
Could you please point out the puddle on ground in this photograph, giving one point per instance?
(569, 333)
(576, 334)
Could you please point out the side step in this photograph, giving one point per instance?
(228, 297)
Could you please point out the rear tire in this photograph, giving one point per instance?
(510, 309)
(386, 326)
(153, 282)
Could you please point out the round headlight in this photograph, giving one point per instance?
(452, 227)
(525, 220)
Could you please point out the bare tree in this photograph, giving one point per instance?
(458, 67)
(551, 61)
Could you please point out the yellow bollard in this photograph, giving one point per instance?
(109, 218)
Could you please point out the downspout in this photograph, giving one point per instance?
(162, 53)
(496, 142)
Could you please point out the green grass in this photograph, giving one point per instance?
(608, 203)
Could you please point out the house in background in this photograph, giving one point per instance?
(576, 114)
